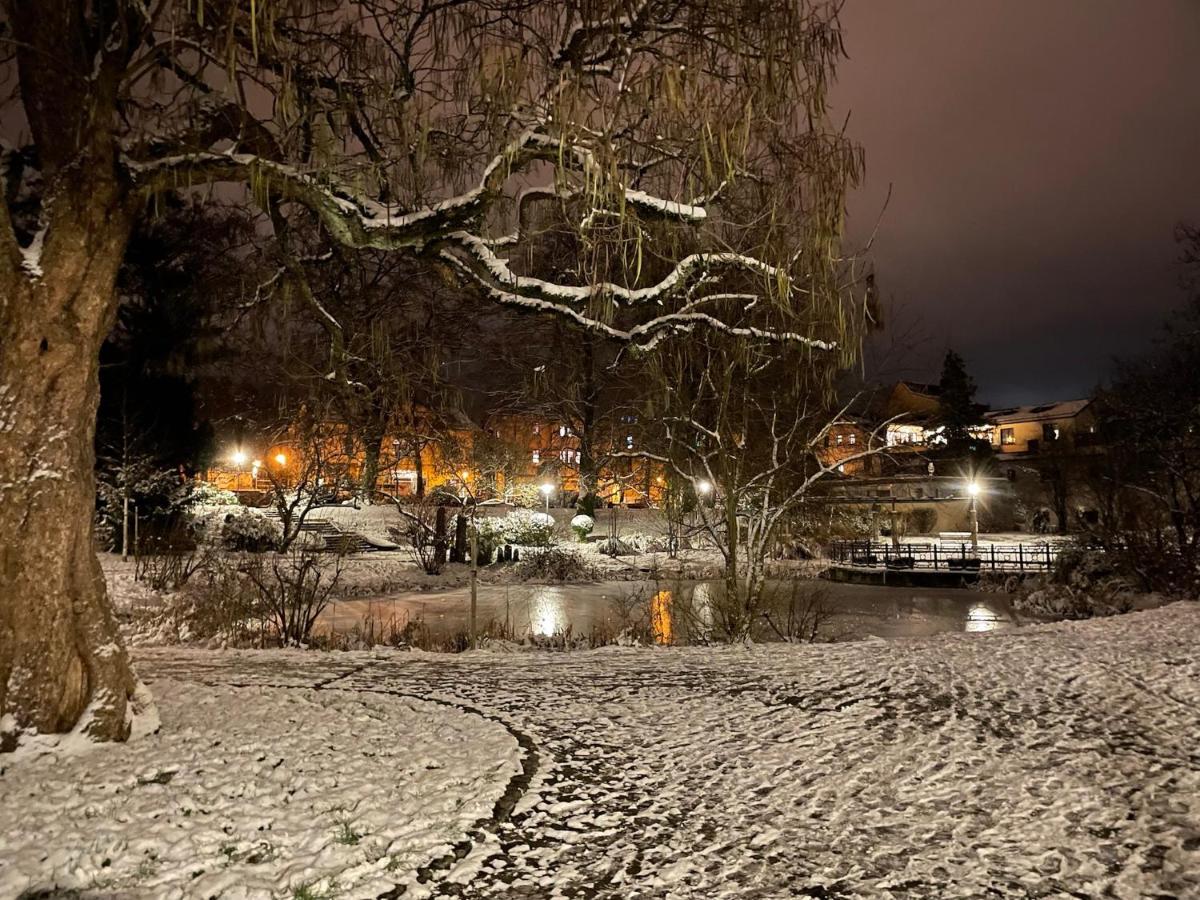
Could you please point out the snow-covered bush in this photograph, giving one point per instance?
(524, 496)
(529, 529)
(490, 537)
(205, 494)
(217, 607)
(1060, 601)
(583, 526)
(555, 564)
(249, 532)
(644, 543)
(611, 546)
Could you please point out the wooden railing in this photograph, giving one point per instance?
(945, 555)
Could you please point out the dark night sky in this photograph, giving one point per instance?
(1040, 153)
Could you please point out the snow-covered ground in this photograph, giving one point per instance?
(1049, 761)
(256, 792)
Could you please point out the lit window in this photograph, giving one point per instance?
(629, 442)
(839, 440)
(537, 428)
(853, 439)
(537, 456)
(1008, 436)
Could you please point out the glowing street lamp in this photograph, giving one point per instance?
(238, 457)
(703, 488)
(547, 490)
(281, 459)
(973, 493)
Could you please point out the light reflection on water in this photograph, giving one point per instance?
(982, 618)
(851, 611)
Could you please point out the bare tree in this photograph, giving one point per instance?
(420, 128)
(741, 425)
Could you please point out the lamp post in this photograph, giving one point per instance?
(238, 458)
(973, 493)
(547, 490)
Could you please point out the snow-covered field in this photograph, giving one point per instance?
(256, 792)
(1049, 761)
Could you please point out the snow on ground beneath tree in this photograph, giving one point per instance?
(256, 792)
(1047, 761)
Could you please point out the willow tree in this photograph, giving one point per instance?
(422, 127)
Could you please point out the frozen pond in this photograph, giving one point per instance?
(848, 611)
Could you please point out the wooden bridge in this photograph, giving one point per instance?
(945, 556)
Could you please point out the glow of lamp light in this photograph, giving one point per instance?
(703, 487)
(973, 489)
(281, 459)
(547, 489)
(238, 457)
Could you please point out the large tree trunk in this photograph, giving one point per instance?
(368, 477)
(62, 662)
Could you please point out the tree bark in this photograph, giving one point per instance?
(368, 477)
(62, 662)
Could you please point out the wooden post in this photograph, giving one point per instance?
(458, 551)
(993, 557)
(439, 536)
(1048, 565)
(474, 583)
(935, 559)
(1021, 556)
(125, 521)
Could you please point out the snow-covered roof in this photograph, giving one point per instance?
(1041, 412)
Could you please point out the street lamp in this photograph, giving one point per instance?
(703, 488)
(973, 493)
(547, 490)
(238, 458)
(281, 459)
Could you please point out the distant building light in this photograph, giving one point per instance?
(281, 459)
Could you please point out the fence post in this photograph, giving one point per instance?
(935, 559)
(1021, 556)
(1047, 557)
(993, 557)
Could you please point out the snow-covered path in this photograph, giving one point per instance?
(1043, 762)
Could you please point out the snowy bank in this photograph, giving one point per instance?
(255, 792)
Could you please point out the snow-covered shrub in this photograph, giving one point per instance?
(205, 494)
(293, 590)
(524, 496)
(555, 564)
(643, 543)
(1060, 601)
(249, 532)
(583, 526)
(217, 607)
(490, 537)
(611, 546)
(1081, 585)
(529, 529)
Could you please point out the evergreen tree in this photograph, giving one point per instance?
(959, 412)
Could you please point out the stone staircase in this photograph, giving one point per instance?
(335, 539)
